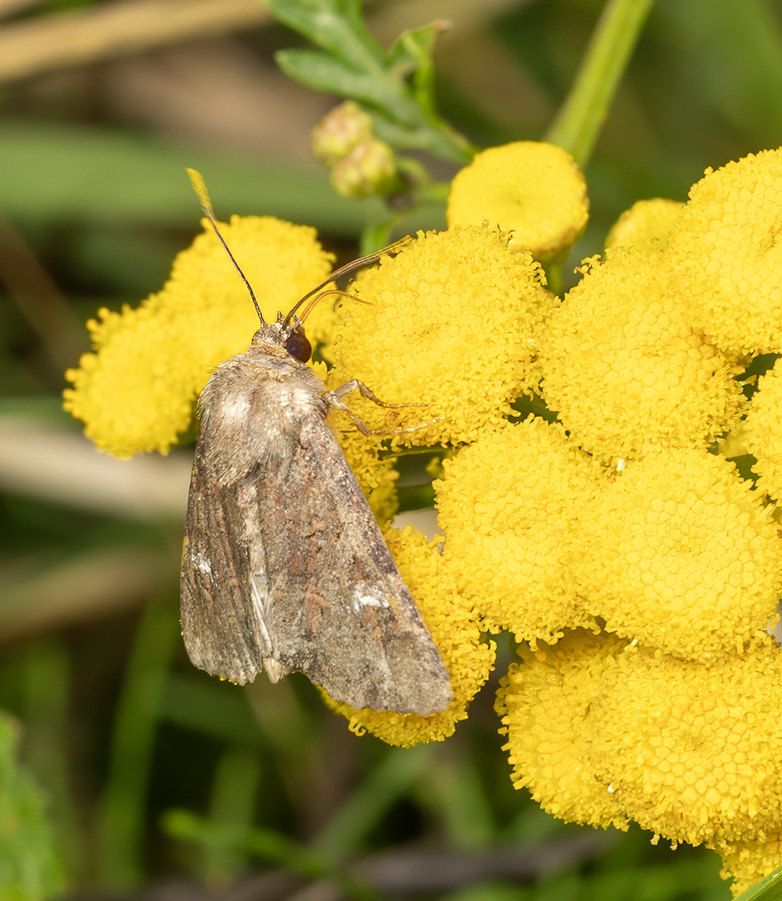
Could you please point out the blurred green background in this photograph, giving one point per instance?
(141, 777)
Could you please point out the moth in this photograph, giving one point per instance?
(284, 567)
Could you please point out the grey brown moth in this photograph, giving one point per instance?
(284, 567)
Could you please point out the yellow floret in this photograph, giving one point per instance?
(544, 703)
(748, 862)
(692, 750)
(530, 188)
(646, 222)
(762, 431)
(624, 368)
(729, 257)
(508, 506)
(679, 554)
(135, 391)
(455, 629)
(449, 323)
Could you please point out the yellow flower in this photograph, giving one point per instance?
(749, 862)
(679, 554)
(692, 750)
(624, 368)
(646, 222)
(532, 189)
(763, 431)
(729, 257)
(135, 391)
(544, 703)
(450, 322)
(508, 506)
(455, 629)
(600, 731)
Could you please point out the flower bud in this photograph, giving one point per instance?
(339, 131)
(370, 168)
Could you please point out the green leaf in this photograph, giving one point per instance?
(397, 85)
(411, 56)
(323, 72)
(768, 889)
(334, 25)
(412, 51)
(30, 869)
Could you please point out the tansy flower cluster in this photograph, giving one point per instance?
(636, 568)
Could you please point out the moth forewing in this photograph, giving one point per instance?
(284, 566)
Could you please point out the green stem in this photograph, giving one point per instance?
(584, 111)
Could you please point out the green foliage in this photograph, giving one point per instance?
(768, 889)
(396, 87)
(30, 868)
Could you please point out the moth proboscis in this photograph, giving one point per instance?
(284, 567)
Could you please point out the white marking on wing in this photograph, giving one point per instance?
(201, 563)
(368, 596)
(236, 408)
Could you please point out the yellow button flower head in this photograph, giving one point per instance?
(508, 506)
(728, 255)
(600, 731)
(530, 188)
(455, 629)
(749, 862)
(763, 431)
(646, 222)
(692, 750)
(679, 554)
(544, 704)
(135, 392)
(625, 369)
(450, 322)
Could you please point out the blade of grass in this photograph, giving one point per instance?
(121, 817)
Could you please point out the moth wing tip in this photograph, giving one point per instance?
(274, 669)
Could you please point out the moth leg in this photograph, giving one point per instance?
(365, 430)
(333, 399)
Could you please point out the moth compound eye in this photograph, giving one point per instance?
(298, 346)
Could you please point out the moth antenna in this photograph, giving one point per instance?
(360, 263)
(199, 186)
(319, 297)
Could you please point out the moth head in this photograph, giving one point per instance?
(283, 338)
